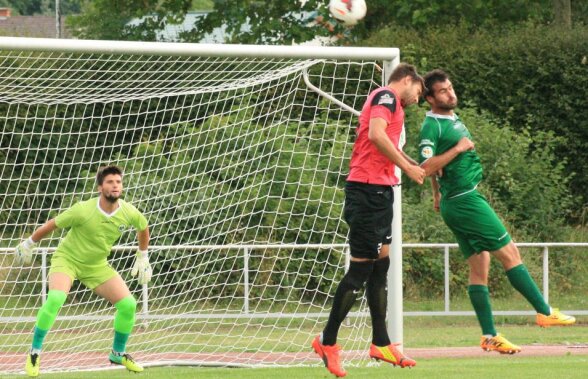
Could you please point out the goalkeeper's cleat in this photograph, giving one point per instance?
(329, 355)
(391, 355)
(32, 365)
(500, 344)
(125, 360)
(556, 318)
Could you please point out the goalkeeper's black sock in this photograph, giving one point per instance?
(377, 298)
(345, 296)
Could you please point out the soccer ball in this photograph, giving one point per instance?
(349, 12)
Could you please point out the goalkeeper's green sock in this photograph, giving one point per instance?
(38, 338)
(46, 317)
(120, 342)
(521, 280)
(480, 298)
(124, 320)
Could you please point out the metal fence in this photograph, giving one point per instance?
(246, 249)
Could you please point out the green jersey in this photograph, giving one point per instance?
(440, 133)
(92, 232)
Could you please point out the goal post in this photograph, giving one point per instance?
(236, 154)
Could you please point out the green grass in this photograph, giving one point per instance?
(520, 367)
(289, 335)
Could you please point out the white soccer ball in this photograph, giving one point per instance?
(349, 12)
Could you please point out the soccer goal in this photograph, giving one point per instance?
(236, 154)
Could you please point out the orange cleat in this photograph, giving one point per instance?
(330, 355)
(556, 318)
(500, 344)
(391, 355)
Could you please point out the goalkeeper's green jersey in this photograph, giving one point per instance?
(440, 133)
(92, 232)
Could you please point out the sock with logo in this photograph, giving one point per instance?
(377, 298)
(349, 287)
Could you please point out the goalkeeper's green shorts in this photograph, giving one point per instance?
(90, 275)
(474, 223)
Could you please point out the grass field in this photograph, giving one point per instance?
(419, 332)
(495, 366)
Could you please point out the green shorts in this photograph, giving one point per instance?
(91, 276)
(474, 223)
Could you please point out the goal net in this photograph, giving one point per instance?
(235, 159)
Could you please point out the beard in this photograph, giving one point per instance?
(447, 106)
(111, 198)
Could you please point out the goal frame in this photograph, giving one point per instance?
(390, 58)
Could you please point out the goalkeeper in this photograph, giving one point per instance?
(93, 227)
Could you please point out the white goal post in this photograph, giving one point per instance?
(236, 154)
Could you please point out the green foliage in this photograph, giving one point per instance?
(41, 7)
(533, 78)
(111, 19)
(524, 181)
(283, 22)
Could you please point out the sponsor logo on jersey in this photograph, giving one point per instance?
(427, 152)
(386, 99)
(458, 125)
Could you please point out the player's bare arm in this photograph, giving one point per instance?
(377, 135)
(44, 230)
(436, 163)
(409, 159)
(143, 238)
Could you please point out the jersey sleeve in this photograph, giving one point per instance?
(429, 136)
(138, 221)
(70, 217)
(383, 105)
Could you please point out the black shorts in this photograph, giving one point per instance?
(368, 212)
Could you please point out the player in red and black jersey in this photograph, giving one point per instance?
(368, 212)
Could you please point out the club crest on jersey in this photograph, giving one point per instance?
(122, 228)
(427, 152)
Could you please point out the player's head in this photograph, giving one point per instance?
(109, 181)
(409, 84)
(439, 91)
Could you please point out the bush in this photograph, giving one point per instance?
(523, 180)
(533, 78)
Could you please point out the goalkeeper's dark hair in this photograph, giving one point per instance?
(105, 171)
(402, 71)
(432, 77)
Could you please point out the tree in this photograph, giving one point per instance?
(286, 22)
(112, 19)
(562, 10)
(41, 7)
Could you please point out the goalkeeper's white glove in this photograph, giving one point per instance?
(24, 252)
(142, 267)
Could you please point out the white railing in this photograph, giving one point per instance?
(444, 247)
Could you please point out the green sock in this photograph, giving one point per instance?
(120, 342)
(38, 338)
(521, 280)
(124, 320)
(480, 298)
(46, 316)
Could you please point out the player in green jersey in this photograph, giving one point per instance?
(93, 228)
(446, 147)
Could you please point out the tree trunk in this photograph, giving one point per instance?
(562, 10)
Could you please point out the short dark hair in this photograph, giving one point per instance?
(107, 170)
(402, 71)
(432, 77)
